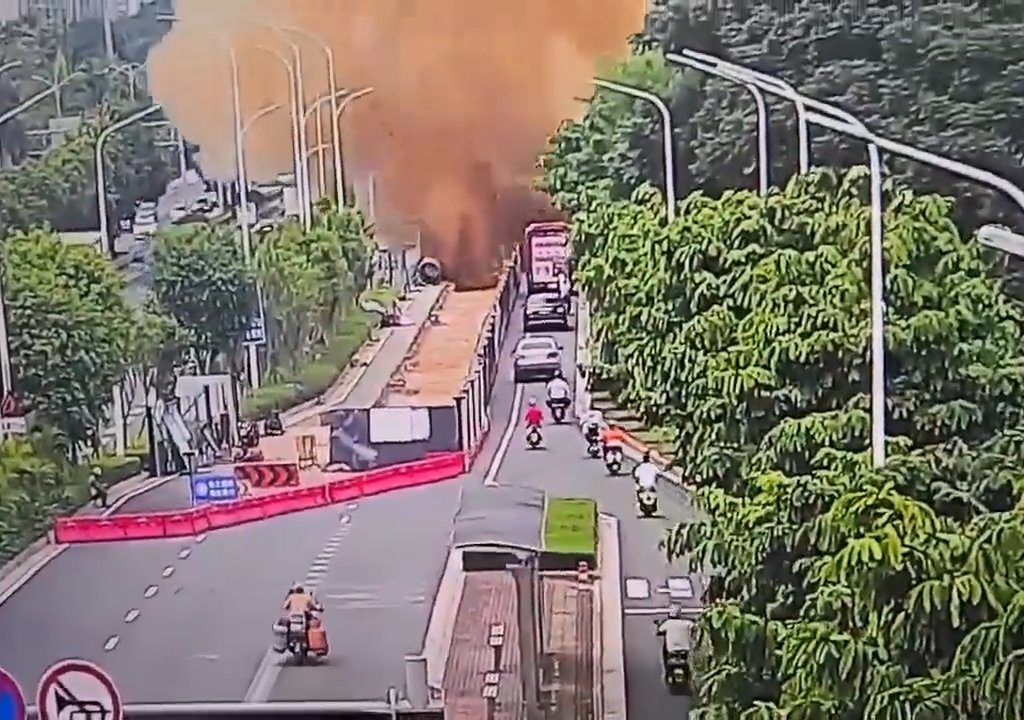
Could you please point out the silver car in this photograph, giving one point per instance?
(537, 357)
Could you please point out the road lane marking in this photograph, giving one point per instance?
(506, 438)
(150, 591)
(184, 553)
(55, 551)
(111, 643)
(131, 616)
(345, 519)
(200, 537)
(168, 571)
(352, 506)
(263, 681)
(637, 588)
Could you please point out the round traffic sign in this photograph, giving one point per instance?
(77, 688)
(12, 699)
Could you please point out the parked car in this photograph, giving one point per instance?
(178, 212)
(537, 357)
(545, 310)
(145, 223)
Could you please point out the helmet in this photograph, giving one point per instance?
(533, 402)
(296, 588)
(647, 456)
(558, 372)
(675, 612)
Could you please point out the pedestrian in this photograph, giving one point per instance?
(97, 491)
(564, 289)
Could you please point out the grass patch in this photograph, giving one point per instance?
(314, 377)
(570, 527)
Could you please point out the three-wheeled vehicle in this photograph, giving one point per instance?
(675, 633)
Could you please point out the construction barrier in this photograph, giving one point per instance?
(182, 523)
(268, 474)
(305, 448)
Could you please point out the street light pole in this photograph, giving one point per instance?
(120, 427)
(340, 166)
(9, 66)
(332, 88)
(38, 97)
(666, 128)
(297, 153)
(101, 186)
(763, 165)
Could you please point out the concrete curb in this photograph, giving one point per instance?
(613, 660)
(414, 347)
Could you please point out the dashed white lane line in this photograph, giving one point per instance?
(151, 591)
(168, 571)
(131, 615)
(111, 643)
(185, 552)
(345, 519)
(352, 506)
(200, 537)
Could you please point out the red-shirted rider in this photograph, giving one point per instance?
(534, 415)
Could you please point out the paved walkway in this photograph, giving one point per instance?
(399, 343)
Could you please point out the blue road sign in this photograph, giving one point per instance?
(12, 699)
(207, 487)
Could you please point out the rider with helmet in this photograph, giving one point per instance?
(612, 438)
(299, 601)
(534, 415)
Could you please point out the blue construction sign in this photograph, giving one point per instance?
(208, 487)
(12, 699)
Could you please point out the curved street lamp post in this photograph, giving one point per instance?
(668, 139)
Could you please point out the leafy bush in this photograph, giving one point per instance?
(314, 377)
(38, 484)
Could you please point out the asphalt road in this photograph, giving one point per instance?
(562, 468)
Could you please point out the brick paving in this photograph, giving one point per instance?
(488, 597)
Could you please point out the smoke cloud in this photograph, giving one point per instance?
(466, 94)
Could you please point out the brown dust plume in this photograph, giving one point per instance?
(466, 94)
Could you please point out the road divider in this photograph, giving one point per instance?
(268, 474)
(148, 526)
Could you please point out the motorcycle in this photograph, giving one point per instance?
(559, 407)
(647, 502)
(594, 447)
(675, 658)
(613, 459)
(301, 635)
(273, 427)
(533, 438)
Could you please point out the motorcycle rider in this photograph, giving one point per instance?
(646, 475)
(612, 438)
(299, 601)
(273, 424)
(558, 389)
(675, 632)
(534, 416)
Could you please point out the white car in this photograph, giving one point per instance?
(145, 224)
(537, 357)
(178, 212)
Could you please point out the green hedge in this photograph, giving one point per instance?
(316, 375)
(37, 484)
(570, 533)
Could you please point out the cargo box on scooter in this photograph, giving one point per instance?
(280, 636)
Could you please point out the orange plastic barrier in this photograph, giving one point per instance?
(183, 523)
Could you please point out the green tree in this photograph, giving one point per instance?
(159, 345)
(69, 330)
(311, 280)
(201, 279)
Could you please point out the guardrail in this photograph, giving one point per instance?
(74, 530)
(473, 404)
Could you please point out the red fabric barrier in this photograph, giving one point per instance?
(220, 515)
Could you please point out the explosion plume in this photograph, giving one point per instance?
(466, 94)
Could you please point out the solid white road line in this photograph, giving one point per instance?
(52, 552)
(506, 439)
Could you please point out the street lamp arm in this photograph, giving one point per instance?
(327, 97)
(669, 140)
(762, 112)
(257, 115)
(349, 98)
(803, 138)
(38, 97)
(10, 66)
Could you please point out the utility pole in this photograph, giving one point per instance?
(108, 28)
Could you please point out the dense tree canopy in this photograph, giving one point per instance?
(311, 279)
(945, 77)
(201, 279)
(69, 330)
